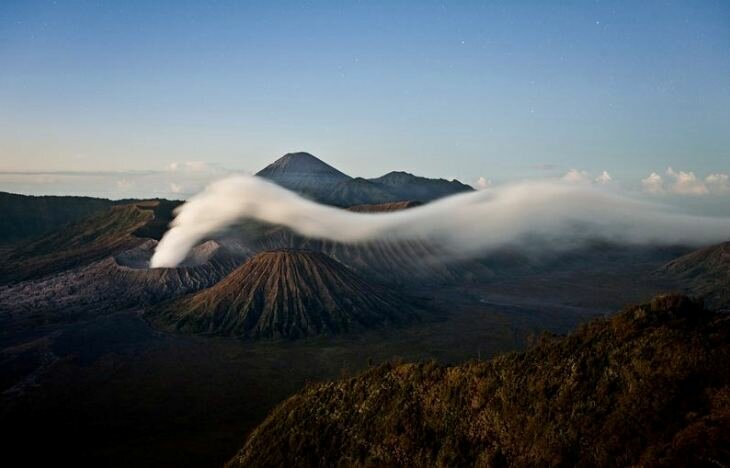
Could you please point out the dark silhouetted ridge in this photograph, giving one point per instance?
(405, 186)
(649, 386)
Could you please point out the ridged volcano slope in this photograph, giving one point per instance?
(284, 293)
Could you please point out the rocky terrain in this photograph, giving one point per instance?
(111, 284)
(285, 293)
(385, 207)
(649, 386)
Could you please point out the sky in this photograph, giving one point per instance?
(157, 98)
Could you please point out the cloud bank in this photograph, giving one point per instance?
(686, 183)
(574, 176)
(554, 215)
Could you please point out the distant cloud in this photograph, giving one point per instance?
(686, 183)
(186, 178)
(718, 183)
(483, 183)
(604, 178)
(653, 183)
(576, 176)
(189, 166)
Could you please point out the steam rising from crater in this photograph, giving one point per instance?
(554, 215)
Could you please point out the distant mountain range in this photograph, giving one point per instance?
(23, 216)
(649, 386)
(309, 176)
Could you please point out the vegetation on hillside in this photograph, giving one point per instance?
(649, 386)
(705, 272)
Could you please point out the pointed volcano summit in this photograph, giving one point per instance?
(313, 178)
(285, 293)
(303, 172)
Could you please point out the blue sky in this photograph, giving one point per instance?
(503, 90)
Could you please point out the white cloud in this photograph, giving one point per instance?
(653, 184)
(535, 215)
(576, 176)
(686, 183)
(175, 188)
(189, 166)
(718, 183)
(604, 178)
(483, 183)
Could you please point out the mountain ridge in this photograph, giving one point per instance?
(310, 176)
(705, 272)
(663, 365)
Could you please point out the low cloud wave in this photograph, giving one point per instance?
(554, 214)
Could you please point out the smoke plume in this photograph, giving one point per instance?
(556, 215)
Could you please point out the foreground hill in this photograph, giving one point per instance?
(284, 293)
(705, 272)
(306, 174)
(649, 386)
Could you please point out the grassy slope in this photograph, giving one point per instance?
(649, 386)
